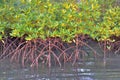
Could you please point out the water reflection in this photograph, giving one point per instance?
(88, 70)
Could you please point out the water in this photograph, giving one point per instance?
(89, 69)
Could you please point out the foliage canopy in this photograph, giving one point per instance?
(43, 18)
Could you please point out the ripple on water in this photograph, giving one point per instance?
(91, 70)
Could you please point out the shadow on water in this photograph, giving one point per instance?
(90, 69)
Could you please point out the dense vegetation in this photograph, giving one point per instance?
(50, 21)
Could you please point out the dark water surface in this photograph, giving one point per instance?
(90, 69)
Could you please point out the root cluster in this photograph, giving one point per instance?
(50, 51)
